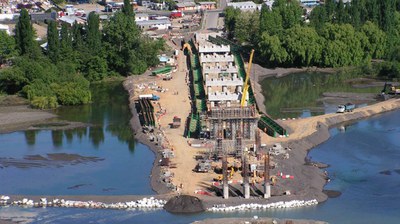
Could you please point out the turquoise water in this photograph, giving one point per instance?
(121, 165)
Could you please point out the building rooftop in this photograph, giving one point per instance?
(153, 22)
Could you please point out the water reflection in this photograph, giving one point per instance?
(299, 95)
(121, 164)
(30, 137)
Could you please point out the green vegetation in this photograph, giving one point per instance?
(337, 34)
(74, 57)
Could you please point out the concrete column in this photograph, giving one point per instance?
(246, 190)
(267, 191)
(226, 190)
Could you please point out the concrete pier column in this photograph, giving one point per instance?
(267, 191)
(226, 190)
(246, 190)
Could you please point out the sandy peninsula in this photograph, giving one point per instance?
(305, 134)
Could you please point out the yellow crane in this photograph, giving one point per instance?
(246, 82)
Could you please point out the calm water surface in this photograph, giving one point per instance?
(123, 167)
(298, 95)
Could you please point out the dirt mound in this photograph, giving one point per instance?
(184, 204)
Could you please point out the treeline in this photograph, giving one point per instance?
(74, 56)
(336, 34)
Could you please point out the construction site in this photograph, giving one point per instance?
(225, 113)
(224, 125)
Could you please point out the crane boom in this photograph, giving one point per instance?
(246, 82)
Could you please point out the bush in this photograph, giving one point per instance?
(44, 102)
(71, 93)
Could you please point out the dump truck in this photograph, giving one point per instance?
(149, 96)
(349, 107)
(176, 122)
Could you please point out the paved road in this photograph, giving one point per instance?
(211, 20)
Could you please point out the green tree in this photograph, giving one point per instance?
(12, 80)
(330, 8)
(122, 39)
(127, 9)
(53, 42)
(342, 46)
(290, 12)
(318, 17)
(66, 49)
(24, 36)
(340, 13)
(376, 38)
(231, 16)
(271, 49)
(7, 47)
(303, 45)
(246, 21)
(93, 37)
(270, 21)
(373, 11)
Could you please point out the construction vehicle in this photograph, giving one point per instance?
(176, 122)
(246, 82)
(349, 107)
(149, 96)
(230, 176)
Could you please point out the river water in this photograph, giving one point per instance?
(106, 159)
(365, 167)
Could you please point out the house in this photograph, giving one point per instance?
(207, 5)
(245, 6)
(5, 28)
(70, 20)
(161, 24)
(309, 2)
(186, 6)
(141, 17)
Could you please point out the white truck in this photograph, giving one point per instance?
(149, 96)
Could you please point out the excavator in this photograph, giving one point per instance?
(221, 177)
(246, 82)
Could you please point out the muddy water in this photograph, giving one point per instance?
(101, 159)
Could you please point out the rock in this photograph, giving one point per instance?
(184, 204)
(332, 194)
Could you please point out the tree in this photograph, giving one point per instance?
(373, 11)
(303, 45)
(231, 15)
(376, 39)
(330, 6)
(318, 17)
(127, 9)
(53, 42)
(290, 12)
(270, 21)
(121, 37)
(24, 36)
(340, 13)
(93, 37)
(66, 49)
(342, 46)
(246, 21)
(272, 50)
(7, 47)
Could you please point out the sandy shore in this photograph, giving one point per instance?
(14, 118)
